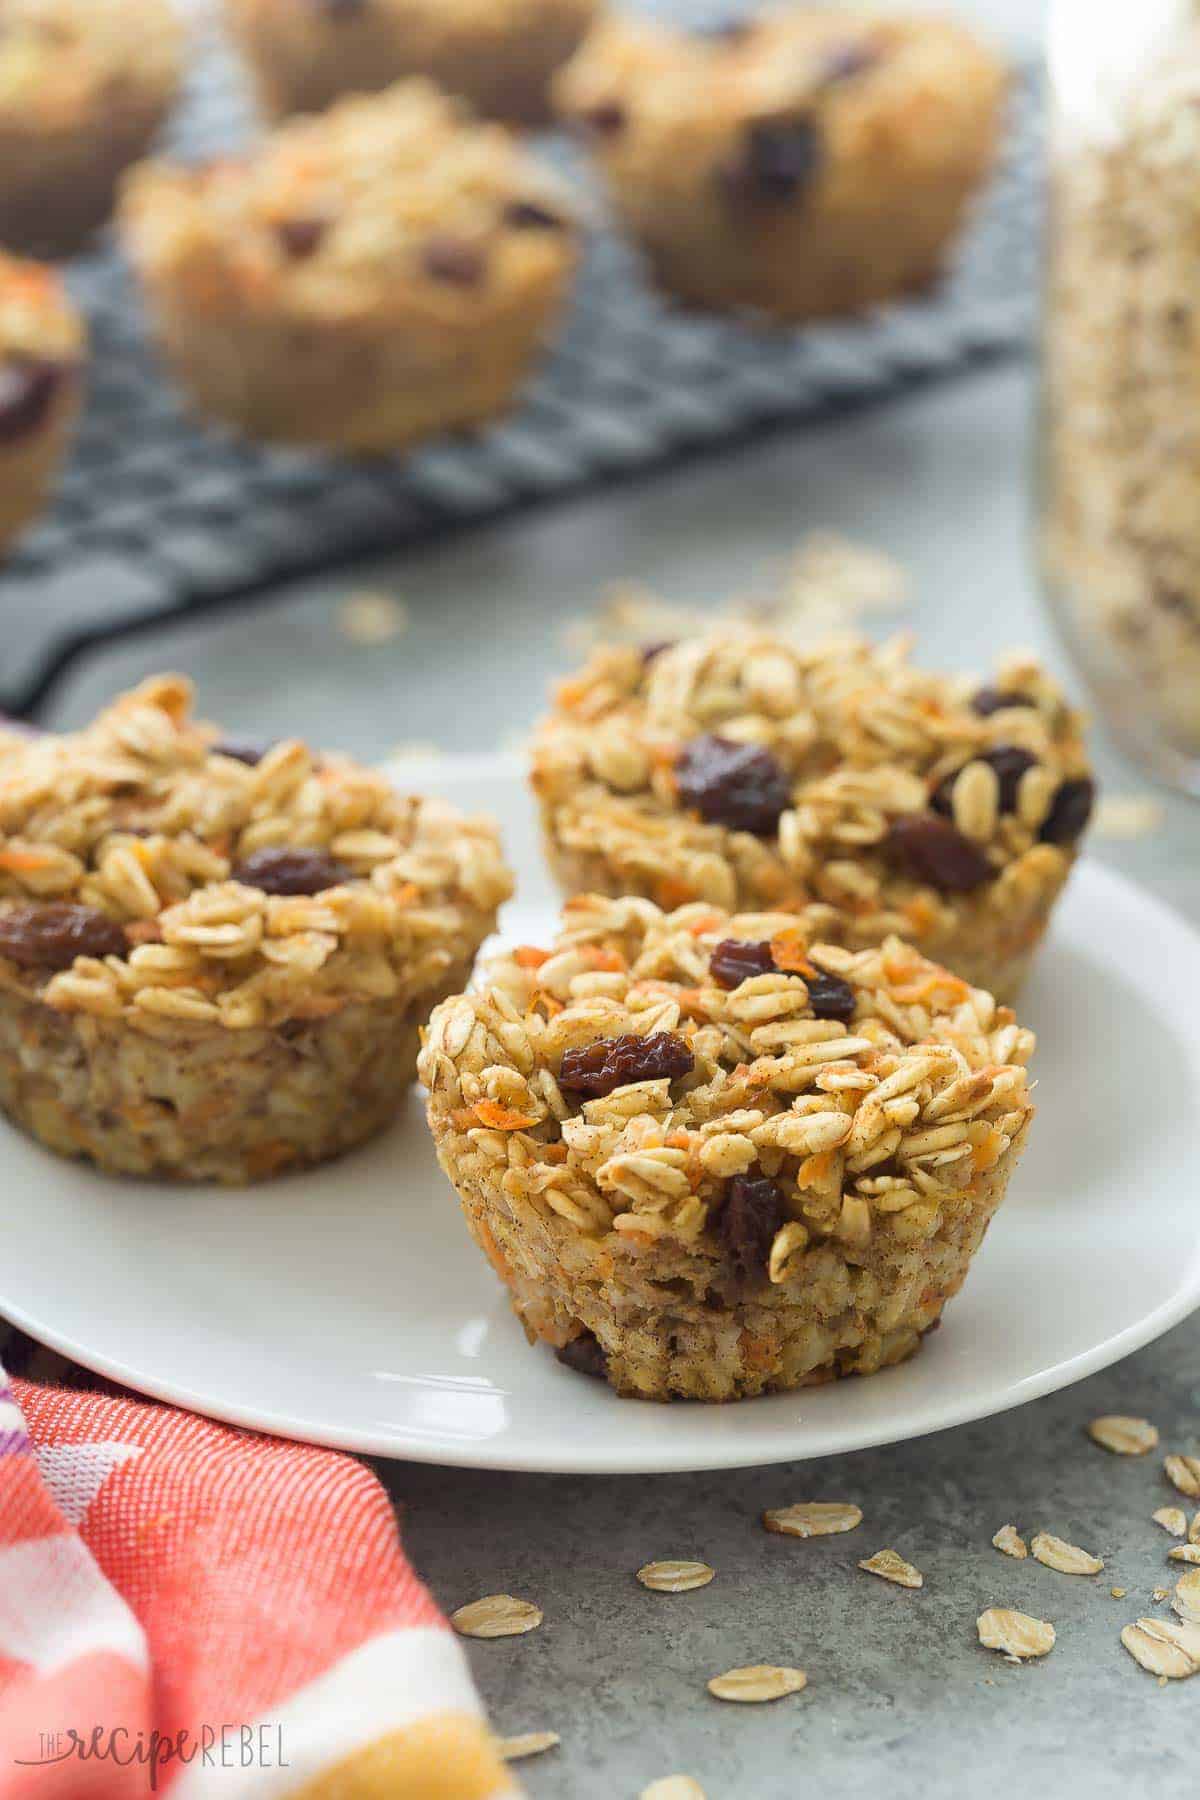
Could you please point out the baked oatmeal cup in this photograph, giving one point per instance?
(499, 55)
(831, 780)
(85, 86)
(710, 1159)
(42, 351)
(809, 163)
(369, 278)
(214, 960)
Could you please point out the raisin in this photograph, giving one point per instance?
(301, 238)
(604, 120)
(726, 31)
(291, 871)
(51, 936)
(990, 700)
(585, 1354)
(341, 9)
(1009, 761)
(1069, 812)
(531, 215)
(750, 1217)
(597, 1069)
(844, 61)
(455, 261)
(250, 754)
(734, 961)
(778, 160)
(739, 786)
(29, 386)
(932, 850)
(650, 652)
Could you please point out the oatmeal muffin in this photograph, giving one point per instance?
(710, 1159)
(807, 164)
(499, 55)
(215, 959)
(42, 352)
(371, 277)
(830, 780)
(84, 87)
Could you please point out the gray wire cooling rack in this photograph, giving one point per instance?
(159, 515)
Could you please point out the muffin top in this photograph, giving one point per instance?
(385, 202)
(41, 347)
(832, 773)
(150, 870)
(65, 61)
(803, 89)
(486, 19)
(718, 1081)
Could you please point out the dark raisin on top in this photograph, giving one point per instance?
(291, 871)
(250, 754)
(584, 1354)
(606, 119)
(454, 260)
(734, 961)
(740, 786)
(595, 1070)
(778, 160)
(750, 1216)
(845, 61)
(29, 386)
(1070, 811)
(990, 700)
(651, 651)
(932, 850)
(1010, 761)
(531, 215)
(726, 31)
(53, 934)
(341, 9)
(301, 238)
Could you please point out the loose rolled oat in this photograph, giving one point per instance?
(1164, 1648)
(814, 1518)
(673, 1787)
(1009, 1539)
(215, 959)
(758, 1682)
(496, 1615)
(675, 1577)
(1186, 1599)
(746, 771)
(530, 1743)
(892, 1567)
(636, 1207)
(1194, 1530)
(1124, 1436)
(1188, 1553)
(1015, 1633)
(1172, 1519)
(1183, 1472)
(1068, 1559)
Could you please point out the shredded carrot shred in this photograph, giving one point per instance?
(501, 1118)
(528, 956)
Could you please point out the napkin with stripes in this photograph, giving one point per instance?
(194, 1610)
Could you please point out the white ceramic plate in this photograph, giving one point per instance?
(349, 1307)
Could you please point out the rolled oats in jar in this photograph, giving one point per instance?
(1120, 519)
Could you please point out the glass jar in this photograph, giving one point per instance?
(1119, 518)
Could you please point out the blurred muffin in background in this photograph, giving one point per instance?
(41, 357)
(498, 54)
(85, 86)
(807, 164)
(374, 275)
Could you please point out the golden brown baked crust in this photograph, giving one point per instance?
(42, 349)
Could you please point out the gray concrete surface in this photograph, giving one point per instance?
(901, 1700)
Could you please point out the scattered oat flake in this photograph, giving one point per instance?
(1183, 1472)
(1123, 1435)
(496, 1615)
(1128, 816)
(1068, 1559)
(1187, 1597)
(673, 1787)
(757, 1682)
(1172, 1519)
(1160, 1593)
(1015, 1633)
(1009, 1539)
(530, 1743)
(675, 1577)
(371, 618)
(1118, 1593)
(1194, 1530)
(1188, 1553)
(892, 1566)
(1164, 1648)
(814, 1518)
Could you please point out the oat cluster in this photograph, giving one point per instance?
(144, 818)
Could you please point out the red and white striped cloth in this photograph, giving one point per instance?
(195, 1610)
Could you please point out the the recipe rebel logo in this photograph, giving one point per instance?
(211, 1746)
